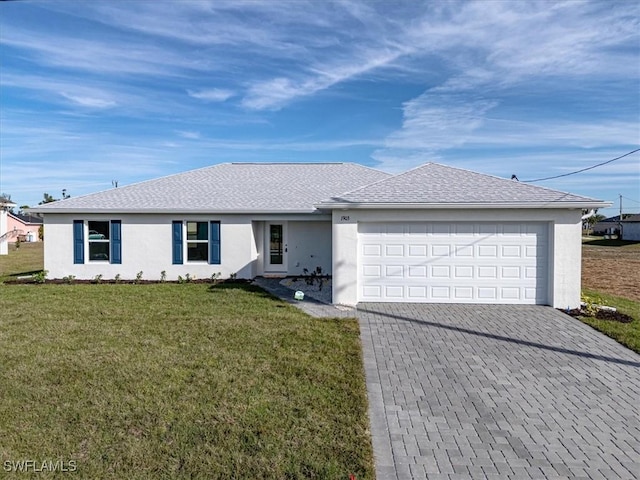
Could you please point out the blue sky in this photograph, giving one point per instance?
(92, 92)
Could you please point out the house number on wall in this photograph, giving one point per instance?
(344, 218)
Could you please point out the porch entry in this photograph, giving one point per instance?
(276, 247)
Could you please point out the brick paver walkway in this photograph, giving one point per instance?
(489, 391)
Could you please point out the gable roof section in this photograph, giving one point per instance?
(228, 188)
(439, 186)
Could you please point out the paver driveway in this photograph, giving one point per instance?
(496, 391)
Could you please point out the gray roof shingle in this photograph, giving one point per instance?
(433, 183)
(229, 187)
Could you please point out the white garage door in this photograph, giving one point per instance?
(461, 262)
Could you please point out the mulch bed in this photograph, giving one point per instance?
(601, 315)
(75, 281)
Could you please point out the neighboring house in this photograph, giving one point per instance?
(608, 226)
(24, 227)
(432, 234)
(631, 227)
(5, 204)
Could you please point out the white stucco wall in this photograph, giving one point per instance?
(4, 248)
(564, 244)
(147, 247)
(309, 246)
(631, 231)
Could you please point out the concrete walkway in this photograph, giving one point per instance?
(309, 305)
(511, 392)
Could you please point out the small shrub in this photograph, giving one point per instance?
(163, 276)
(188, 278)
(591, 304)
(233, 276)
(138, 276)
(69, 279)
(215, 277)
(97, 278)
(117, 278)
(313, 277)
(18, 242)
(41, 276)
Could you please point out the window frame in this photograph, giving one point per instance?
(180, 241)
(82, 241)
(104, 240)
(197, 241)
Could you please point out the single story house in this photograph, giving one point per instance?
(5, 234)
(24, 227)
(608, 226)
(631, 227)
(432, 234)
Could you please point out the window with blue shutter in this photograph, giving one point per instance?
(116, 241)
(177, 242)
(78, 241)
(214, 243)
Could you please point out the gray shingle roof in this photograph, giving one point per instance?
(433, 183)
(229, 187)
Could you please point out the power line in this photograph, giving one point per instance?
(584, 169)
(630, 199)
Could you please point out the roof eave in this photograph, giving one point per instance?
(451, 206)
(170, 211)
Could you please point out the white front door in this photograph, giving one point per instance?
(276, 247)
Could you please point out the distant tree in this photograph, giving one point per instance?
(6, 197)
(591, 221)
(48, 199)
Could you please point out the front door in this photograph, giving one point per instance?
(276, 248)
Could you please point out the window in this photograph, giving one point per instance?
(103, 239)
(98, 240)
(202, 242)
(197, 241)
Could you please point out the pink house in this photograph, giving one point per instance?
(23, 226)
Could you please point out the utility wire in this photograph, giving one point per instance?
(584, 169)
(630, 199)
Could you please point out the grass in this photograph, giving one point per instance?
(179, 381)
(610, 242)
(628, 334)
(26, 260)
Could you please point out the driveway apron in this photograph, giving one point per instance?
(497, 391)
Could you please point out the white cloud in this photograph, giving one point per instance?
(90, 102)
(211, 94)
(189, 135)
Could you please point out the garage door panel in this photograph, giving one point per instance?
(459, 262)
(440, 250)
(371, 250)
(418, 250)
(417, 271)
(463, 293)
(372, 271)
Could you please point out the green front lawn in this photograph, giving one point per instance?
(179, 381)
(25, 260)
(628, 334)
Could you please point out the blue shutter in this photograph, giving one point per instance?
(78, 241)
(214, 243)
(116, 241)
(177, 242)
